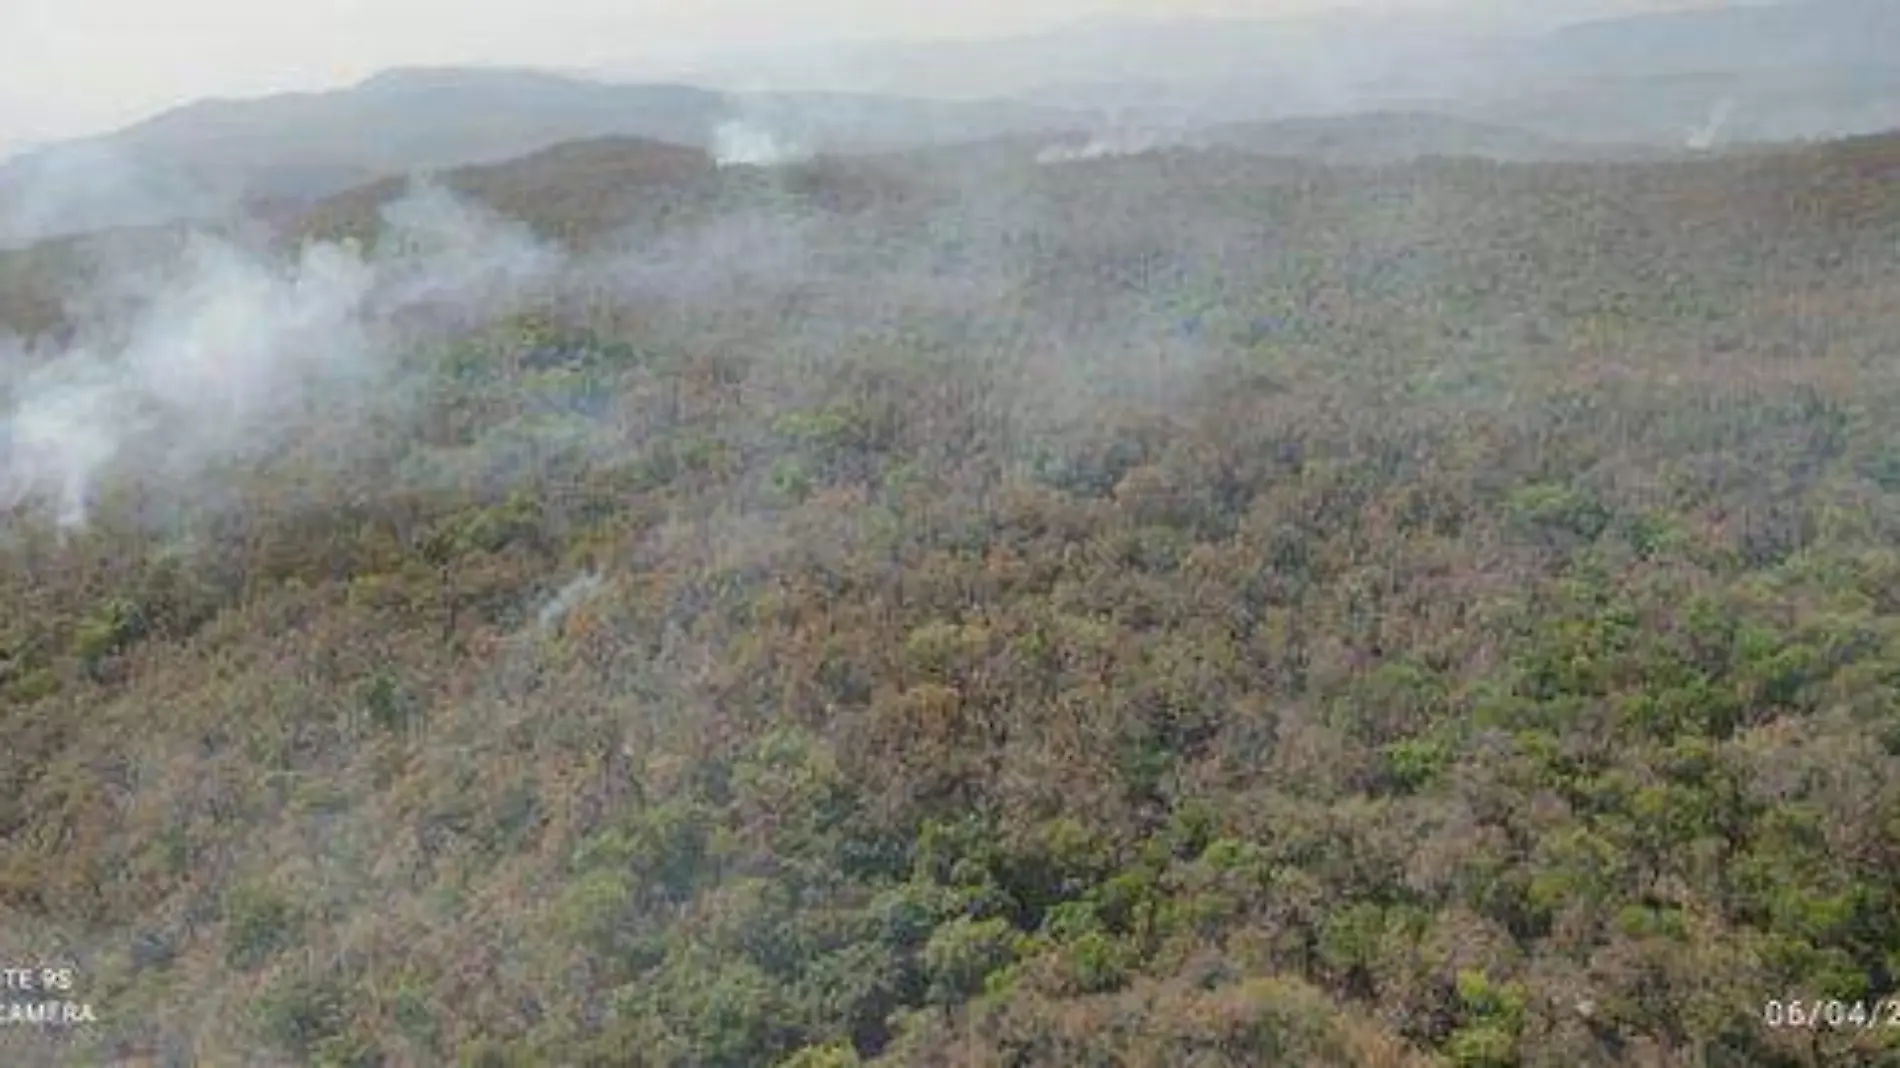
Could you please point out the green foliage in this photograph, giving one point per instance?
(302, 1015)
(792, 479)
(1656, 534)
(1099, 963)
(663, 847)
(1457, 649)
(384, 702)
(829, 429)
(487, 530)
(1559, 510)
(108, 629)
(731, 1015)
(835, 1055)
(964, 954)
(594, 906)
(29, 685)
(1482, 1046)
(259, 924)
(1351, 937)
(1493, 1016)
(411, 1008)
(487, 1053)
(1415, 763)
(942, 650)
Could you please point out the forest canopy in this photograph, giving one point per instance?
(1183, 609)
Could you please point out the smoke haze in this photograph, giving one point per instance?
(221, 351)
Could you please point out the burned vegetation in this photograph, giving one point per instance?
(1188, 608)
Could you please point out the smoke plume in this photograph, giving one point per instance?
(222, 352)
(740, 143)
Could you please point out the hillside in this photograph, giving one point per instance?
(206, 159)
(1391, 137)
(1795, 69)
(1806, 34)
(1184, 608)
(406, 120)
(1496, 86)
(1292, 54)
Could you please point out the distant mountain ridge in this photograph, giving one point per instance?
(1396, 136)
(1657, 82)
(1793, 69)
(207, 157)
(1844, 34)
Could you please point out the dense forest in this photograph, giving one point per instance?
(1183, 609)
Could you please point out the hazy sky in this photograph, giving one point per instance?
(77, 66)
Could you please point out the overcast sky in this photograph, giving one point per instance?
(70, 67)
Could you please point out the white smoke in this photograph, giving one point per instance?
(1105, 145)
(740, 143)
(1705, 136)
(576, 593)
(227, 351)
(81, 187)
(56, 443)
(446, 250)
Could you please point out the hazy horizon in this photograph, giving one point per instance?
(60, 77)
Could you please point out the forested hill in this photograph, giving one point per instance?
(209, 159)
(1180, 609)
